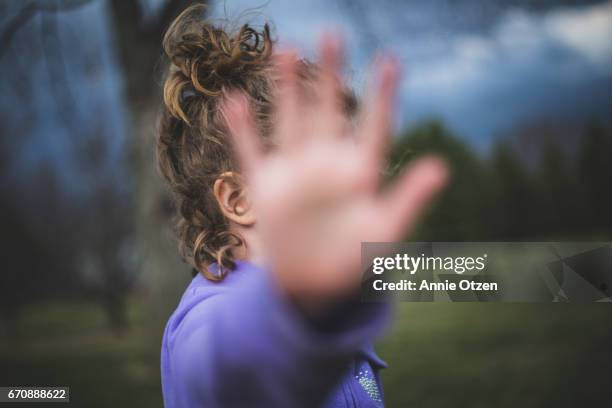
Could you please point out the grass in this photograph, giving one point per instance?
(501, 355)
(440, 355)
(70, 345)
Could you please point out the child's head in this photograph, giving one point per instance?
(193, 146)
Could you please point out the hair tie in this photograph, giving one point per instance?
(186, 94)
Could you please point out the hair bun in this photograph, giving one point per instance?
(211, 58)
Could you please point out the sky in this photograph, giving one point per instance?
(483, 67)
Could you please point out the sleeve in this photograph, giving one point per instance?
(251, 347)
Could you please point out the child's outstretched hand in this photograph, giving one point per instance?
(317, 195)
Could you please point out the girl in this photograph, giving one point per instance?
(276, 178)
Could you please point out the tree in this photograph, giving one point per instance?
(139, 48)
(516, 204)
(562, 209)
(106, 221)
(595, 170)
(463, 211)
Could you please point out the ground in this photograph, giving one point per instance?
(439, 355)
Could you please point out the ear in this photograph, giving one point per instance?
(234, 203)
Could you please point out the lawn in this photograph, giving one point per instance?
(499, 355)
(440, 355)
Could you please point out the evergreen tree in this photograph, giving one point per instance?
(595, 172)
(559, 192)
(518, 215)
(463, 212)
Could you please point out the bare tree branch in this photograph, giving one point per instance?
(27, 12)
(139, 43)
(171, 9)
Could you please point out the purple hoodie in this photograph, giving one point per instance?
(239, 343)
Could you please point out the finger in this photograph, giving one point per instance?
(405, 202)
(287, 132)
(376, 116)
(329, 118)
(242, 131)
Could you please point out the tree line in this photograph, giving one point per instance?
(559, 193)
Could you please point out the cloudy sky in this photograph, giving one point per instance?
(484, 67)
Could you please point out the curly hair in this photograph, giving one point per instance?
(193, 148)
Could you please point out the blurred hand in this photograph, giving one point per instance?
(317, 195)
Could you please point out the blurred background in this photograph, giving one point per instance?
(516, 94)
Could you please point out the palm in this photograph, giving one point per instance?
(316, 196)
